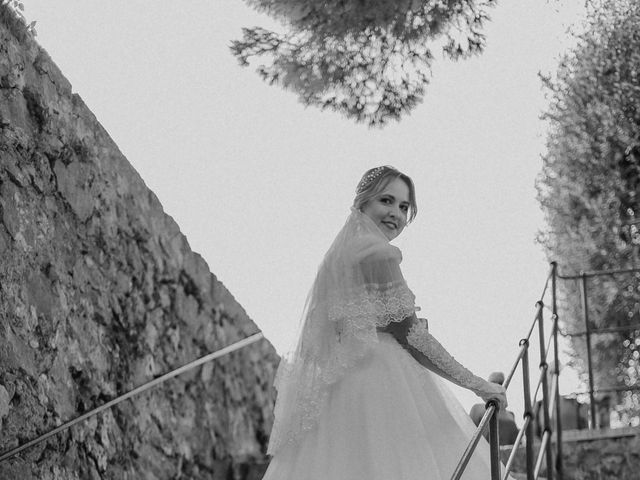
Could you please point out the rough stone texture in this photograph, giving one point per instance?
(594, 459)
(99, 293)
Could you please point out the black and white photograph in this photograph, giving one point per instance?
(319, 240)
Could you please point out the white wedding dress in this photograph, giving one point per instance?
(353, 404)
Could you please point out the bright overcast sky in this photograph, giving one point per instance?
(260, 185)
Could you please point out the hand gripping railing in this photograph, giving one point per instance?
(549, 403)
(156, 381)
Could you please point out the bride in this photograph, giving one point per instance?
(361, 397)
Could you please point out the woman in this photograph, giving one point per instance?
(355, 401)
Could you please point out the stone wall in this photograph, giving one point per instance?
(603, 459)
(608, 454)
(99, 293)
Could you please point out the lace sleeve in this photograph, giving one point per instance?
(424, 344)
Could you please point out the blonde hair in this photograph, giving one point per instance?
(375, 181)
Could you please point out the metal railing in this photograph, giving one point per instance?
(590, 331)
(136, 391)
(550, 396)
(549, 402)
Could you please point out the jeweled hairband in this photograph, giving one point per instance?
(370, 177)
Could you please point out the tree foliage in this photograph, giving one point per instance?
(368, 59)
(589, 189)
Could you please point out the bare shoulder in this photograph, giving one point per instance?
(380, 251)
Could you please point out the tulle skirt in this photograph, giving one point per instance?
(387, 419)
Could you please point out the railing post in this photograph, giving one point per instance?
(494, 442)
(528, 412)
(545, 392)
(587, 329)
(554, 310)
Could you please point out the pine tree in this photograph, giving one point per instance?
(368, 59)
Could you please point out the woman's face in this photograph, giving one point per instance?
(389, 208)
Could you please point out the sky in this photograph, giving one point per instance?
(260, 185)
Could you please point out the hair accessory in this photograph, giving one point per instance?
(369, 177)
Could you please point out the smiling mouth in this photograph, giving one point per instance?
(390, 225)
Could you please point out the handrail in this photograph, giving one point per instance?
(521, 353)
(529, 416)
(514, 450)
(598, 273)
(545, 367)
(555, 318)
(590, 330)
(146, 386)
(543, 373)
(491, 409)
(546, 284)
(596, 331)
(466, 456)
(528, 412)
(522, 356)
(539, 308)
(541, 453)
(490, 415)
(552, 393)
(546, 436)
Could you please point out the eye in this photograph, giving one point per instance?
(386, 200)
(404, 208)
